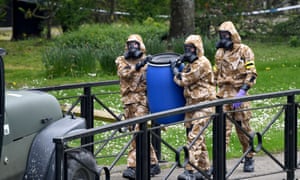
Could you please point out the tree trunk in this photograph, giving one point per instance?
(49, 25)
(22, 27)
(112, 10)
(294, 2)
(182, 18)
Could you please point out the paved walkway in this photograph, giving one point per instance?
(264, 165)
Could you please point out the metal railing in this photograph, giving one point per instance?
(285, 103)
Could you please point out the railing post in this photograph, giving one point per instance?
(143, 153)
(87, 111)
(219, 147)
(59, 159)
(2, 99)
(290, 132)
(156, 142)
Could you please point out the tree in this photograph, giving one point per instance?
(2, 9)
(140, 10)
(24, 22)
(70, 14)
(73, 13)
(182, 18)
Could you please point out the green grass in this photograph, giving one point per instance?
(278, 67)
(24, 67)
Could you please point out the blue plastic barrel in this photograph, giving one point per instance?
(162, 92)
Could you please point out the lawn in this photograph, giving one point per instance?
(277, 66)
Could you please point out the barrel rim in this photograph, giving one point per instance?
(162, 54)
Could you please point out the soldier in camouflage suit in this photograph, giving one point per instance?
(131, 70)
(197, 79)
(235, 74)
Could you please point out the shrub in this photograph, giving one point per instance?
(107, 56)
(155, 45)
(288, 28)
(210, 47)
(71, 14)
(294, 41)
(97, 46)
(176, 45)
(63, 61)
(98, 43)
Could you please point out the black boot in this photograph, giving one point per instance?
(154, 170)
(199, 176)
(249, 164)
(129, 173)
(186, 175)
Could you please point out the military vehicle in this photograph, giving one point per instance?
(29, 121)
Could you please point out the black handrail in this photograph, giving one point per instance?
(142, 136)
(76, 86)
(218, 132)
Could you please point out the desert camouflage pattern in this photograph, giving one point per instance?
(234, 68)
(198, 151)
(197, 79)
(133, 94)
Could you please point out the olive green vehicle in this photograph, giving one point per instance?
(30, 120)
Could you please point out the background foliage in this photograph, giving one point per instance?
(95, 31)
(80, 52)
(98, 44)
(74, 13)
(71, 14)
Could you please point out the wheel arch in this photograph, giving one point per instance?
(41, 158)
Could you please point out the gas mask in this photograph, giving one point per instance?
(133, 50)
(225, 41)
(190, 53)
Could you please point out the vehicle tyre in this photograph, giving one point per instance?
(78, 171)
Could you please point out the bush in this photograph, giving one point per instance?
(176, 45)
(155, 45)
(71, 14)
(107, 56)
(294, 41)
(288, 28)
(210, 47)
(63, 61)
(97, 46)
(104, 44)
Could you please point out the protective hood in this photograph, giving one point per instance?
(228, 26)
(138, 38)
(197, 42)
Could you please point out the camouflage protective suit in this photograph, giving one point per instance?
(197, 79)
(233, 69)
(133, 93)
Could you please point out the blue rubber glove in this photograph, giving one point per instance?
(241, 93)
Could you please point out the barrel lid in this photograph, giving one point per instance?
(163, 58)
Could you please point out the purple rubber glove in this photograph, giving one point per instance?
(241, 93)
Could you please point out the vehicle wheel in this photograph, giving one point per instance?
(77, 171)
